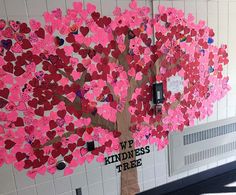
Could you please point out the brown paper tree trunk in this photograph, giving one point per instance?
(129, 178)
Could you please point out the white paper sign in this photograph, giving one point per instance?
(175, 84)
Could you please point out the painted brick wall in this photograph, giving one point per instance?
(97, 179)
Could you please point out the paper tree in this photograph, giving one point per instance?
(84, 77)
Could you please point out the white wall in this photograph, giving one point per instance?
(97, 179)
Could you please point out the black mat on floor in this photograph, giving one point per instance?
(210, 181)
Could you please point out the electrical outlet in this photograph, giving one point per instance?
(78, 191)
(90, 146)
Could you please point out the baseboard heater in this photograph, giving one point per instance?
(202, 144)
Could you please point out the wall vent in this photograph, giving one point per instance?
(209, 133)
(202, 144)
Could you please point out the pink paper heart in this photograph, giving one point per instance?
(19, 165)
(121, 47)
(71, 96)
(34, 24)
(100, 159)
(87, 137)
(15, 25)
(91, 8)
(16, 48)
(32, 174)
(133, 4)
(89, 158)
(68, 50)
(52, 170)
(68, 171)
(42, 170)
(2, 130)
(138, 76)
(74, 163)
(7, 32)
(83, 151)
(81, 160)
(2, 62)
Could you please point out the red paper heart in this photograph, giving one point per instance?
(33, 103)
(211, 33)
(39, 111)
(39, 153)
(18, 71)
(80, 142)
(193, 32)
(108, 143)
(68, 158)
(80, 132)
(113, 104)
(116, 53)
(9, 56)
(36, 163)
(4, 93)
(2, 24)
(47, 106)
(95, 16)
(70, 38)
(20, 156)
(164, 18)
(76, 47)
(70, 127)
(20, 61)
(36, 59)
(99, 48)
(19, 122)
(106, 20)
(57, 145)
(100, 22)
(28, 164)
(61, 113)
(102, 149)
(9, 144)
(36, 144)
(44, 159)
(186, 30)
(51, 134)
(40, 33)
(63, 151)
(116, 134)
(53, 59)
(24, 28)
(29, 129)
(52, 124)
(84, 30)
(55, 153)
(72, 146)
(197, 114)
(89, 130)
(28, 56)
(26, 44)
(95, 151)
(83, 52)
(3, 103)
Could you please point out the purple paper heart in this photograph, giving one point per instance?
(6, 44)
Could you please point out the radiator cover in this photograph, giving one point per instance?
(202, 144)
